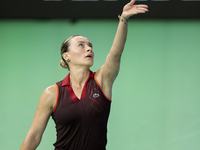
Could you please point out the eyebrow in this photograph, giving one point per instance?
(84, 42)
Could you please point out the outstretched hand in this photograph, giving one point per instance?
(130, 9)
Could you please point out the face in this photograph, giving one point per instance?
(80, 52)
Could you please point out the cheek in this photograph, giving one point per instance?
(76, 52)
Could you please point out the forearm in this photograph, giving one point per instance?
(120, 38)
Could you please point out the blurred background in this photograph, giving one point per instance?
(156, 96)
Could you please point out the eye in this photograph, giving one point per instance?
(80, 45)
(90, 45)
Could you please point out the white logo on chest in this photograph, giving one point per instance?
(95, 95)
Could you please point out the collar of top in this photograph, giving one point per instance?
(66, 80)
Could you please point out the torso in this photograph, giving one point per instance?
(81, 113)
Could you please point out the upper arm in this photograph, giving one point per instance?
(107, 74)
(111, 67)
(43, 112)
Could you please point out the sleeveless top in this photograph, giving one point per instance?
(81, 124)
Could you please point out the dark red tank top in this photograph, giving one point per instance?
(81, 124)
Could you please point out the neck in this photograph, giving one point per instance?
(78, 77)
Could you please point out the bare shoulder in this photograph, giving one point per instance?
(48, 97)
(51, 91)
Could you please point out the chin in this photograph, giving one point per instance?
(90, 65)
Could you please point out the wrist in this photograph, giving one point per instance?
(124, 16)
(122, 19)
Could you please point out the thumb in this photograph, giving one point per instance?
(132, 2)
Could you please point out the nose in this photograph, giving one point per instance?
(89, 48)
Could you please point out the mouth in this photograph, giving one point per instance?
(89, 56)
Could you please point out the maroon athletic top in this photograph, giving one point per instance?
(81, 124)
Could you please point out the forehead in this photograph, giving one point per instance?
(79, 39)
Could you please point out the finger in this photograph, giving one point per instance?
(142, 10)
(132, 2)
(141, 5)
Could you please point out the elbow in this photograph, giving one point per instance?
(31, 142)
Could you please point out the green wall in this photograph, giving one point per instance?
(156, 97)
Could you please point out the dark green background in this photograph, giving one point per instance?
(156, 96)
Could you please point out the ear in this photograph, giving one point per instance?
(66, 56)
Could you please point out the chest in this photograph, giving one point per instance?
(77, 91)
(88, 104)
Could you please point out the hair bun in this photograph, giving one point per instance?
(62, 64)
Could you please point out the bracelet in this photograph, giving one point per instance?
(121, 19)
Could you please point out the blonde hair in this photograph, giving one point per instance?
(65, 48)
(63, 64)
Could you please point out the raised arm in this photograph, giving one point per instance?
(43, 112)
(108, 72)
